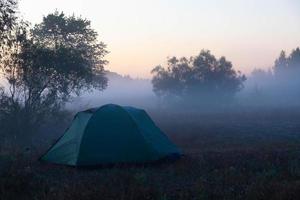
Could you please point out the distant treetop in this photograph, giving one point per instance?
(287, 64)
(201, 78)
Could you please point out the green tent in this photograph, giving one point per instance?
(111, 134)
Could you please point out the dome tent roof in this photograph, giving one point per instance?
(111, 134)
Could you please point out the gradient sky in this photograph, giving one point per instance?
(141, 34)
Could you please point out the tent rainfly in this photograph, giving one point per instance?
(111, 134)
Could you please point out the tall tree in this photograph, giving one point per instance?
(287, 76)
(58, 58)
(202, 78)
(7, 17)
(294, 59)
(288, 66)
(281, 63)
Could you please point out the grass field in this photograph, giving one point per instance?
(237, 155)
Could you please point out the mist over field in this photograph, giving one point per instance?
(74, 126)
(122, 90)
(260, 91)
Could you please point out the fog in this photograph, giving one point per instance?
(122, 90)
(262, 90)
(268, 90)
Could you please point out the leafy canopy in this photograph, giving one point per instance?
(199, 78)
(7, 17)
(48, 64)
(288, 65)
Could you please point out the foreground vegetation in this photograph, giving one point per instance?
(228, 155)
(234, 155)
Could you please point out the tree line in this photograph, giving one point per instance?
(44, 65)
(206, 80)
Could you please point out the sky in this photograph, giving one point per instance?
(141, 34)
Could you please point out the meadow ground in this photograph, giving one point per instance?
(237, 155)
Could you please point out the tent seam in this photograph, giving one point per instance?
(80, 141)
(92, 114)
(140, 132)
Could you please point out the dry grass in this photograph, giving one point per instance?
(227, 157)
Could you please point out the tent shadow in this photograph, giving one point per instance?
(172, 159)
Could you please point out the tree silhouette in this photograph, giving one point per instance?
(7, 17)
(47, 65)
(200, 79)
(288, 65)
(286, 76)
